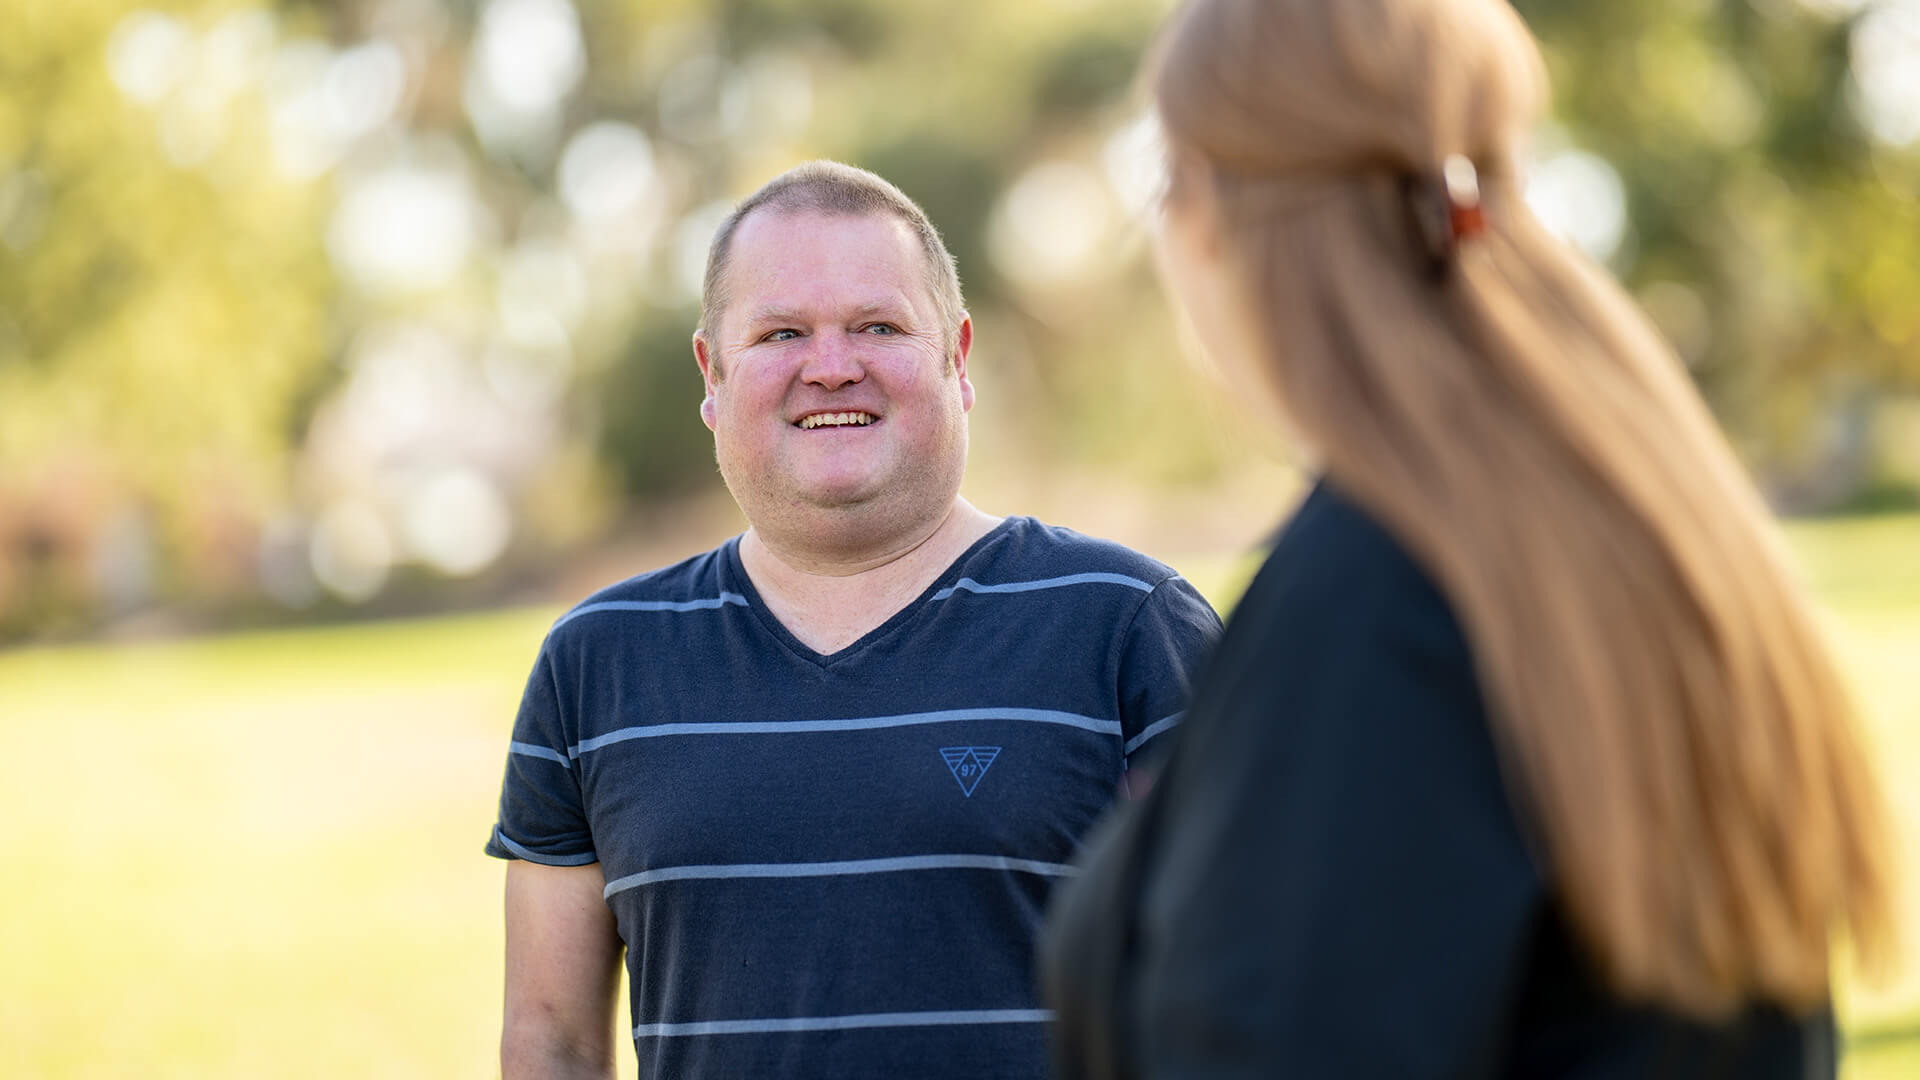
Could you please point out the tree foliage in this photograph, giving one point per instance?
(201, 394)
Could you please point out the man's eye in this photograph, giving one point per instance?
(882, 328)
(782, 335)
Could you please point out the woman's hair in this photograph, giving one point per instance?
(1668, 712)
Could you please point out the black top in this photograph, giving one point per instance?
(1331, 881)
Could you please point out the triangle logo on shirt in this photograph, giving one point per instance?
(968, 764)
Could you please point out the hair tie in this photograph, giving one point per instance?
(1446, 208)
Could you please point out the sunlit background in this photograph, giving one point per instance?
(343, 343)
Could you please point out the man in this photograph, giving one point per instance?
(819, 781)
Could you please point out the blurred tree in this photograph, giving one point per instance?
(650, 433)
(164, 304)
(1773, 235)
(295, 296)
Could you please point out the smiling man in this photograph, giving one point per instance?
(818, 782)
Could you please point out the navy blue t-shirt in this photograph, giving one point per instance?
(836, 865)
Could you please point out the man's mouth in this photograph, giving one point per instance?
(836, 419)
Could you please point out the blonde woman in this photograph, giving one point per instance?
(1522, 756)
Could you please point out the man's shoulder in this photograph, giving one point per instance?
(1035, 547)
(696, 583)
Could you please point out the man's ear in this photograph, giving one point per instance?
(709, 375)
(962, 345)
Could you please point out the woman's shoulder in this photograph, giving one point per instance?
(1336, 565)
(1340, 621)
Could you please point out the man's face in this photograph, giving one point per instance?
(828, 386)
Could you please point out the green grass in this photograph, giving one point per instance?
(258, 855)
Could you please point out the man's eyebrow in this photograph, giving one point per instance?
(889, 308)
(767, 315)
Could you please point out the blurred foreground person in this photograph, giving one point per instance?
(819, 781)
(1522, 756)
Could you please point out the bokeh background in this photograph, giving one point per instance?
(342, 344)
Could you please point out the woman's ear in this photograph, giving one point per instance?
(1190, 207)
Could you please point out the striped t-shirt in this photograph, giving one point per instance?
(836, 865)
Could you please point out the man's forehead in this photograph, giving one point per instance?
(776, 237)
(789, 262)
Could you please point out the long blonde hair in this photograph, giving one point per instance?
(1670, 717)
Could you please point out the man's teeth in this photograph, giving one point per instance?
(836, 419)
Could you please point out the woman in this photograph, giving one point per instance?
(1522, 756)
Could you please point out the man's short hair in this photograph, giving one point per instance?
(833, 188)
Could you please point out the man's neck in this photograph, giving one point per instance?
(831, 600)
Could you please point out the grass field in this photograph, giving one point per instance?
(259, 855)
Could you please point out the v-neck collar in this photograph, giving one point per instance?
(742, 583)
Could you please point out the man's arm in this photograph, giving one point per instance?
(1171, 634)
(563, 973)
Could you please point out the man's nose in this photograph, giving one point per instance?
(833, 362)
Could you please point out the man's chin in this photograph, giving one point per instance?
(828, 499)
